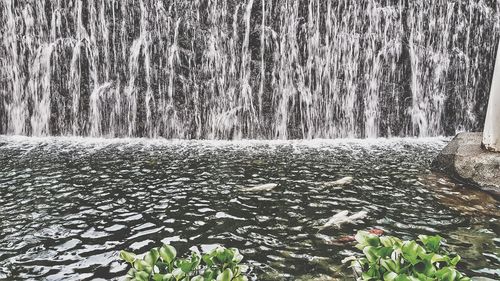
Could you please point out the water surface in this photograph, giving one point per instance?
(69, 205)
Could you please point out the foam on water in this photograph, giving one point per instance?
(87, 142)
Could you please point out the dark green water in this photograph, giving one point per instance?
(68, 206)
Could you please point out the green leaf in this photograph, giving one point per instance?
(388, 241)
(426, 257)
(142, 265)
(168, 253)
(455, 260)
(163, 267)
(424, 267)
(131, 273)
(195, 260)
(431, 243)
(224, 255)
(240, 278)
(373, 273)
(178, 274)
(237, 257)
(163, 277)
(423, 277)
(367, 277)
(226, 275)
(371, 254)
(142, 276)
(198, 278)
(189, 265)
(390, 265)
(184, 265)
(152, 257)
(384, 252)
(446, 274)
(438, 258)
(128, 257)
(373, 240)
(411, 251)
(402, 277)
(366, 239)
(208, 259)
(209, 274)
(390, 276)
(361, 237)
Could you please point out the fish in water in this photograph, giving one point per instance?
(343, 218)
(260, 188)
(340, 182)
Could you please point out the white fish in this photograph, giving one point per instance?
(343, 218)
(358, 216)
(340, 182)
(259, 188)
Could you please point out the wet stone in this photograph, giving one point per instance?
(464, 160)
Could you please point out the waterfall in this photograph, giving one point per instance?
(235, 69)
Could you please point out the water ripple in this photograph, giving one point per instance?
(67, 206)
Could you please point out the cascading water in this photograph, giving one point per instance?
(224, 69)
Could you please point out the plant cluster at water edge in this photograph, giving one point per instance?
(162, 264)
(391, 259)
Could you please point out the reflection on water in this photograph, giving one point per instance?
(461, 197)
(67, 206)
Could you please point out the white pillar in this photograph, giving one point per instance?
(491, 134)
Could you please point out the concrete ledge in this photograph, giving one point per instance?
(464, 160)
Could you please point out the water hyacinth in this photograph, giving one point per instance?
(163, 264)
(391, 259)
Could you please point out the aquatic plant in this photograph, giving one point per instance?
(391, 259)
(162, 264)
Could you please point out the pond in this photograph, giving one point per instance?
(69, 205)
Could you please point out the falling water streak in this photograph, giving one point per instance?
(262, 58)
(248, 111)
(226, 69)
(17, 107)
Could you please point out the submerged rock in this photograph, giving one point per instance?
(464, 160)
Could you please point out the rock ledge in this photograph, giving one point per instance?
(464, 160)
